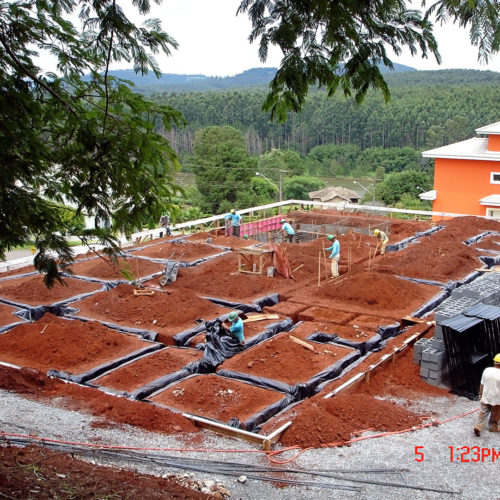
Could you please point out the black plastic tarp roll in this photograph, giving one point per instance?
(253, 423)
(428, 232)
(478, 237)
(490, 261)
(158, 384)
(99, 370)
(422, 281)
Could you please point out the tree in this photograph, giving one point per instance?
(223, 167)
(299, 187)
(341, 44)
(89, 143)
(398, 186)
(273, 161)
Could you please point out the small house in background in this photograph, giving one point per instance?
(467, 175)
(335, 195)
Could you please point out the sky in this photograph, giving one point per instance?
(214, 42)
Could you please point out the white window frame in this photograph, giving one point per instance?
(492, 178)
(493, 212)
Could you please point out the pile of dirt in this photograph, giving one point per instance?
(338, 419)
(110, 409)
(167, 311)
(32, 290)
(61, 344)
(184, 252)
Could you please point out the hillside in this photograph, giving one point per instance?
(255, 77)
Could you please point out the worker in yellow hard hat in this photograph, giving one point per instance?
(383, 240)
(489, 394)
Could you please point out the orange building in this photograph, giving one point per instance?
(467, 175)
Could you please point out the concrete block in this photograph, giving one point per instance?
(438, 333)
(437, 343)
(424, 372)
(426, 354)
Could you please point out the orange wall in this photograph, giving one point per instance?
(460, 184)
(494, 143)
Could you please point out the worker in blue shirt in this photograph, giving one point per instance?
(235, 218)
(236, 328)
(335, 255)
(288, 231)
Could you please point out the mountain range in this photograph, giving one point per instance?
(198, 82)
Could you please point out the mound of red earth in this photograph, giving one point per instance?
(32, 290)
(369, 294)
(166, 311)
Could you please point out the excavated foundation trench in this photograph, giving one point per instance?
(305, 336)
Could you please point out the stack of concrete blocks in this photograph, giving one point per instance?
(430, 354)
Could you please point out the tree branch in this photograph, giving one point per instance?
(34, 77)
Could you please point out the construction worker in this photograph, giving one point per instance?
(245, 236)
(489, 394)
(235, 219)
(165, 223)
(236, 328)
(383, 239)
(335, 255)
(287, 230)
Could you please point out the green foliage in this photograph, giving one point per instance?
(401, 186)
(341, 45)
(409, 202)
(75, 223)
(421, 103)
(223, 167)
(91, 144)
(299, 187)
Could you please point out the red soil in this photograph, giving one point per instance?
(148, 368)
(488, 243)
(168, 311)
(372, 298)
(104, 269)
(109, 408)
(31, 290)
(279, 358)
(217, 397)
(7, 315)
(59, 344)
(338, 419)
(231, 242)
(185, 252)
(374, 292)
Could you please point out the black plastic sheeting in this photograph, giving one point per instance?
(298, 391)
(219, 346)
(145, 334)
(159, 384)
(182, 338)
(431, 304)
(332, 338)
(256, 306)
(22, 275)
(395, 247)
(253, 423)
(99, 370)
(479, 237)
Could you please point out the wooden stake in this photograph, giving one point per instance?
(324, 259)
(301, 342)
(297, 268)
(319, 269)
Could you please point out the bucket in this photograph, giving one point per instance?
(271, 271)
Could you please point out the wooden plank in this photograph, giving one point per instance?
(301, 342)
(260, 317)
(251, 437)
(413, 319)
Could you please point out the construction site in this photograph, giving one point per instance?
(324, 361)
